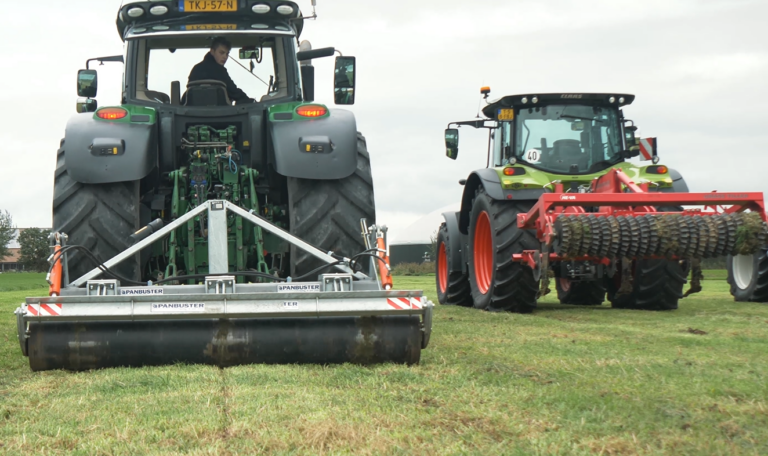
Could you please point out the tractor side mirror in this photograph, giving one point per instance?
(629, 135)
(344, 81)
(452, 143)
(86, 105)
(87, 83)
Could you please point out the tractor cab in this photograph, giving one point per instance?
(565, 134)
(164, 40)
(176, 93)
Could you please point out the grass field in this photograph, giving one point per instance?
(564, 380)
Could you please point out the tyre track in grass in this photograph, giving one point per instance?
(224, 410)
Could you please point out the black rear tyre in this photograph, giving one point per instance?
(100, 217)
(497, 283)
(588, 293)
(748, 276)
(452, 284)
(327, 213)
(656, 285)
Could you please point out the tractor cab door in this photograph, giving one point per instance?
(497, 135)
(503, 137)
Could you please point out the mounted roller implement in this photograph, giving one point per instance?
(563, 203)
(219, 224)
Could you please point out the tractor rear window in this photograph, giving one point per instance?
(567, 139)
(255, 68)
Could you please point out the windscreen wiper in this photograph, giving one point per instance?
(566, 116)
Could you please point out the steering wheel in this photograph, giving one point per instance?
(202, 82)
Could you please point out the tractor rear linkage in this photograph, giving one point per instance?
(626, 222)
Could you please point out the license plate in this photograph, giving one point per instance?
(210, 27)
(195, 6)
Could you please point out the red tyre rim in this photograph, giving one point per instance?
(442, 268)
(483, 252)
(565, 284)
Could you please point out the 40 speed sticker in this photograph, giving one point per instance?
(298, 288)
(181, 307)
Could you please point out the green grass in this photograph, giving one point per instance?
(12, 281)
(564, 380)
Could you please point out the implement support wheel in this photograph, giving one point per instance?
(748, 276)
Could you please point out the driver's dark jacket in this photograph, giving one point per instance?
(209, 69)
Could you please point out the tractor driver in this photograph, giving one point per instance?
(212, 67)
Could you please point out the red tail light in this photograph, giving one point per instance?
(514, 171)
(111, 113)
(312, 111)
(657, 169)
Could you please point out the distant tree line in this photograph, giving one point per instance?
(35, 247)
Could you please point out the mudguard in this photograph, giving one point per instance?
(489, 179)
(333, 141)
(454, 238)
(678, 183)
(101, 152)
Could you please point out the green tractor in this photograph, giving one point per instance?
(548, 152)
(232, 222)
(164, 150)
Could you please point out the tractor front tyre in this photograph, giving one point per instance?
(99, 217)
(496, 282)
(748, 276)
(452, 284)
(327, 213)
(587, 293)
(655, 285)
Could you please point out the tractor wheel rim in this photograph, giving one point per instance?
(442, 268)
(565, 284)
(743, 270)
(483, 252)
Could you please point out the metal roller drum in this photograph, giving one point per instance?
(326, 340)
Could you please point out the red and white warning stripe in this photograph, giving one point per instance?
(647, 148)
(45, 310)
(404, 303)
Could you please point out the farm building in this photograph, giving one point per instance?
(414, 244)
(11, 262)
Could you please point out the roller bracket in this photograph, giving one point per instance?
(426, 329)
(102, 288)
(336, 282)
(220, 285)
(21, 328)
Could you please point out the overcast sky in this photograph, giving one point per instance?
(699, 69)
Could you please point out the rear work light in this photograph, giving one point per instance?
(111, 113)
(285, 10)
(158, 10)
(312, 111)
(514, 171)
(261, 8)
(135, 12)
